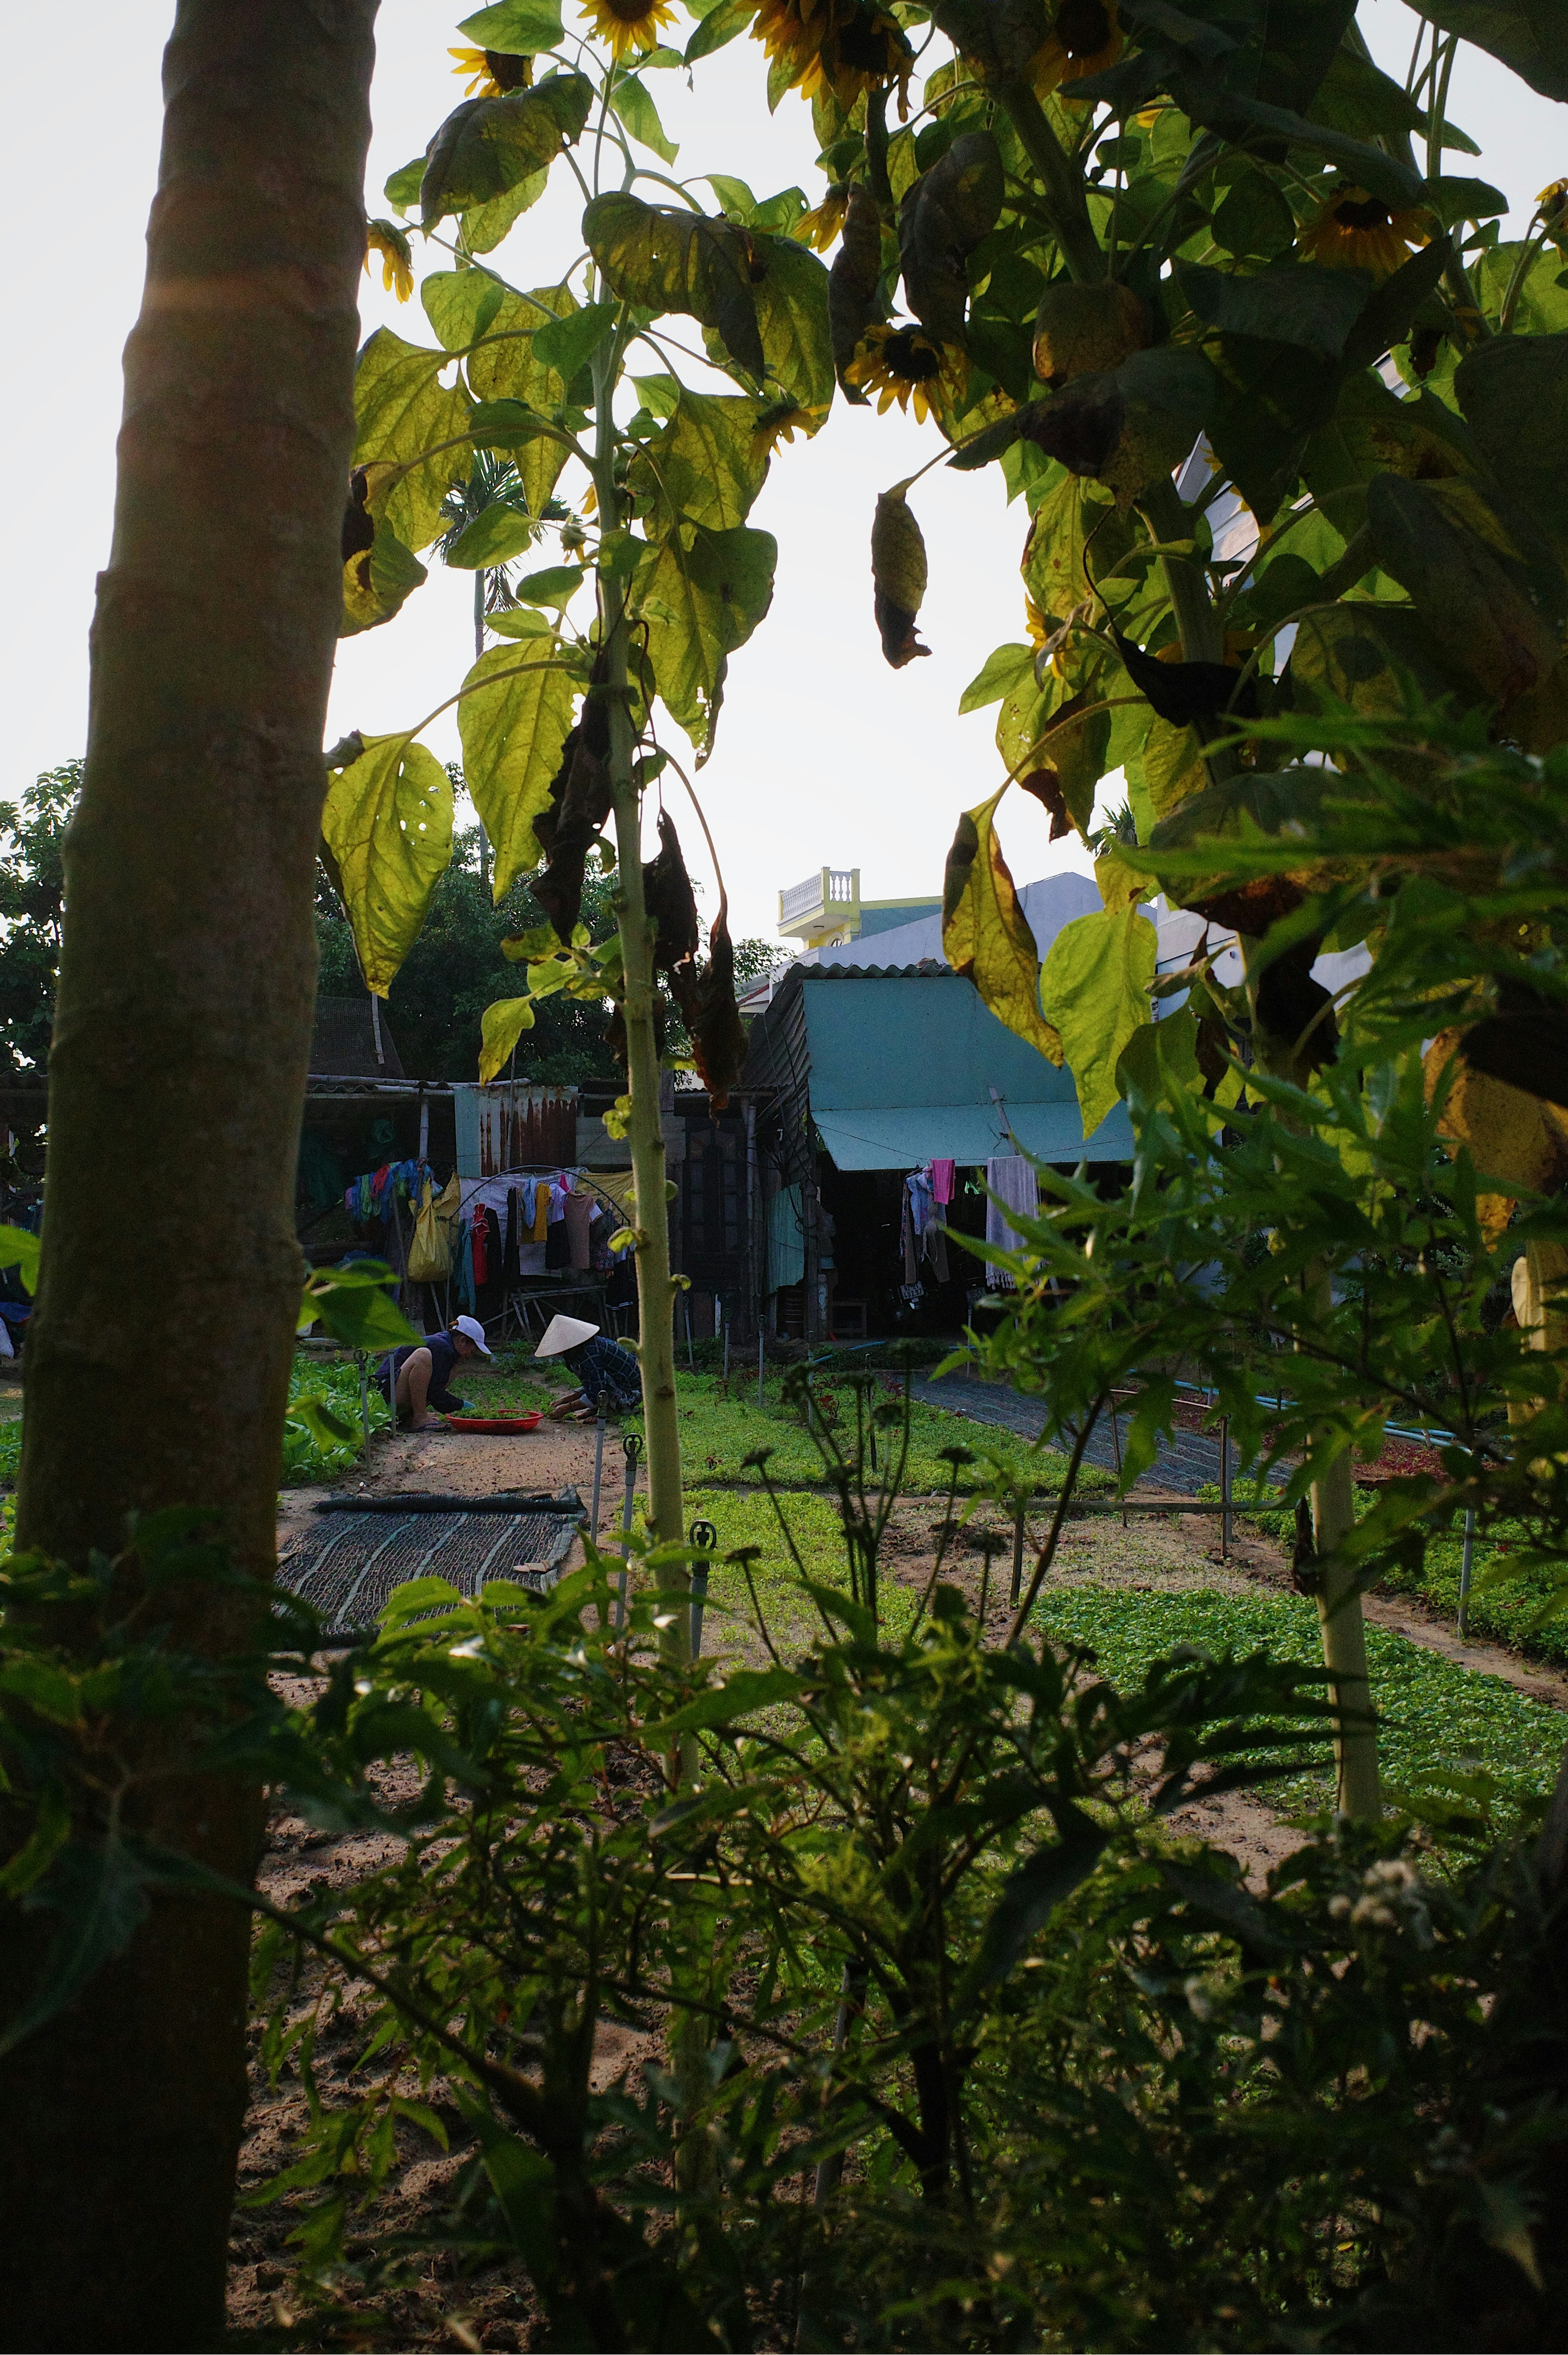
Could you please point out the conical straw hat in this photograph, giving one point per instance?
(564, 1333)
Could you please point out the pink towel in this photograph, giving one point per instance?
(943, 1181)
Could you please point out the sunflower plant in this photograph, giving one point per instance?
(619, 526)
(1276, 397)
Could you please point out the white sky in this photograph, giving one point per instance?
(823, 754)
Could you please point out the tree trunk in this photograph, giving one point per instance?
(160, 1351)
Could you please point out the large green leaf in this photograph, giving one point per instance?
(495, 536)
(1057, 563)
(985, 934)
(487, 145)
(1541, 303)
(1514, 393)
(462, 305)
(1467, 575)
(1095, 989)
(506, 366)
(701, 601)
(500, 1027)
(1380, 660)
(792, 319)
(388, 824)
(513, 721)
(483, 227)
(1296, 304)
(633, 104)
(1530, 36)
(410, 435)
(705, 465)
(680, 262)
(521, 27)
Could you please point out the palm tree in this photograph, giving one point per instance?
(493, 480)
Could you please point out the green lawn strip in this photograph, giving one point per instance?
(718, 1434)
(1508, 1613)
(1434, 1714)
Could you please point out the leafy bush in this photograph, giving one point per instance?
(323, 1428)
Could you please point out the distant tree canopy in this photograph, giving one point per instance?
(32, 892)
(456, 968)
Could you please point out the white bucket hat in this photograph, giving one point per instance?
(472, 1330)
(562, 1333)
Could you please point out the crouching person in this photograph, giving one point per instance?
(419, 1375)
(594, 1361)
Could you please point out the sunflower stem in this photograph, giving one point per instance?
(655, 1287)
(1064, 188)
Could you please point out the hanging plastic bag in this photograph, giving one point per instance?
(430, 1253)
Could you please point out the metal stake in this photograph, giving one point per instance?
(760, 1344)
(1115, 1450)
(717, 1308)
(1466, 1560)
(598, 1458)
(1224, 1487)
(686, 1305)
(705, 1537)
(1017, 1588)
(364, 1398)
(632, 1445)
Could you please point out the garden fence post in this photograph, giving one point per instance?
(1224, 1487)
(632, 1445)
(598, 1456)
(1466, 1560)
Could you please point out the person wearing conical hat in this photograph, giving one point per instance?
(598, 1363)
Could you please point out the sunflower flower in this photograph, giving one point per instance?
(1357, 232)
(905, 365)
(819, 228)
(628, 24)
(1552, 210)
(781, 423)
(847, 46)
(492, 73)
(385, 237)
(1085, 39)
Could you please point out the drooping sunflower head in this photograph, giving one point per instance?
(1086, 39)
(492, 73)
(907, 366)
(385, 237)
(819, 228)
(628, 24)
(1357, 232)
(847, 46)
(1552, 210)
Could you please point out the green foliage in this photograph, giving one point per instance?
(32, 885)
(323, 1430)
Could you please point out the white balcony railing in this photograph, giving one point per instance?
(830, 886)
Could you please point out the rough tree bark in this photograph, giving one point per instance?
(159, 1354)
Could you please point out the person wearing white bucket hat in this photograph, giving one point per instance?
(598, 1364)
(418, 1376)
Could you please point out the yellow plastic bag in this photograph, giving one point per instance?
(430, 1253)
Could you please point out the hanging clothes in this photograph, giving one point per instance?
(479, 1245)
(578, 1219)
(464, 1265)
(944, 1179)
(1010, 1177)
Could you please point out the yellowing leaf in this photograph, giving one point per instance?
(700, 603)
(514, 722)
(680, 262)
(500, 1027)
(503, 366)
(410, 435)
(985, 934)
(705, 465)
(388, 825)
(1507, 1132)
(898, 572)
(1120, 885)
(376, 583)
(1096, 990)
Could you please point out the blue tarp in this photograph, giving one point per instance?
(904, 1070)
